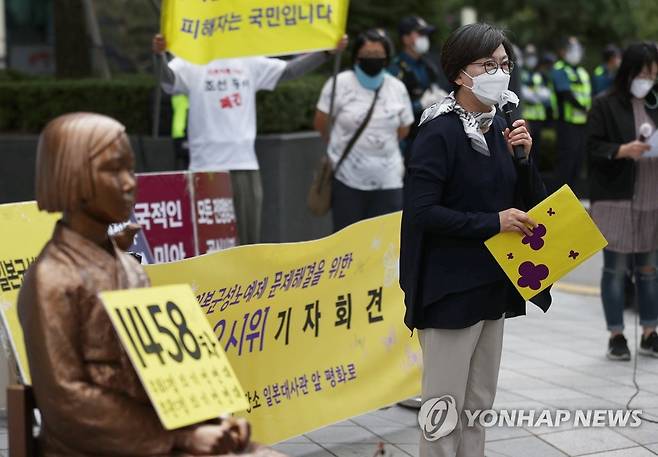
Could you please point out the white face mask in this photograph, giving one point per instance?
(489, 88)
(574, 55)
(422, 44)
(640, 87)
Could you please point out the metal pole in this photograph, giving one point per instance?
(337, 60)
(157, 96)
(99, 58)
(3, 37)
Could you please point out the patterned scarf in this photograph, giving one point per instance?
(475, 124)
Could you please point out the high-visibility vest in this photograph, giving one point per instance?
(599, 71)
(180, 105)
(533, 111)
(582, 90)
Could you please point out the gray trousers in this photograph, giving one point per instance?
(462, 363)
(248, 203)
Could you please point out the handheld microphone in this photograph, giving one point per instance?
(509, 110)
(645, 132)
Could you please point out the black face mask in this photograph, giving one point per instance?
(372, 66)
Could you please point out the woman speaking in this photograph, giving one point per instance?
(462, 187)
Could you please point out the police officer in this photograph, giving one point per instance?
(572, 99)
(536, 96)
(604, 74)
(425, 83)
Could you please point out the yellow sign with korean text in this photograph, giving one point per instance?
(565, 237)
(25, 231)
(203, 30)
(172, 347)
(314, 330)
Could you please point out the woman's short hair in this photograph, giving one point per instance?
(470, 43)
(66, 146)
(372, 35)
(635, 57)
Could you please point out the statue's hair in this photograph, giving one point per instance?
(67, 145)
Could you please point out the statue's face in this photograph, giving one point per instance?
(113, 174)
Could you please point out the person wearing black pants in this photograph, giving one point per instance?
(571, 147)
(352, 205)
(370, 111)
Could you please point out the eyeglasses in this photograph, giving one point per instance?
(491, 66)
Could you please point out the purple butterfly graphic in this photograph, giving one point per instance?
(536, 241)
(532, 275)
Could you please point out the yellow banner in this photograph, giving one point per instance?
(175, 354)
(565, 238)
(203, 30)
(314, 330)
(25, 231)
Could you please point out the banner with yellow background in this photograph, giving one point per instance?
(202, 30)
(170, 343)
(314, 330)
(25, 230)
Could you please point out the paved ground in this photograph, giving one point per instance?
(549, 361)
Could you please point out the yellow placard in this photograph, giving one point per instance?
(203, 30)
(172, 347)
(565, 238)
(313, 330)
(24, 231)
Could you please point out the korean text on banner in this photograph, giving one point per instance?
(172, 347)
(313, 330)
(565, 237)
(164, 210)
(25, 231)
(200, 31)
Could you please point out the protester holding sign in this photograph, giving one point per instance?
(222, 118)
(462, 188)
(624, 194)
(90, 398)
(372, 112)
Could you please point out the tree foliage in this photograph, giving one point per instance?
(543, 22)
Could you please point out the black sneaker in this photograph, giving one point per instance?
(649, 345)
(618, 348)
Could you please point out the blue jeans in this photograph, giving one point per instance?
(615, 268)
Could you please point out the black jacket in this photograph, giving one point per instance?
(609, 125)
(453, 195)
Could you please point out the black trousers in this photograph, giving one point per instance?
(349, 205)
(536, 128)
(571, 152)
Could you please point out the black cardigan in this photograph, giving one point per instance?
(453, 195)
(609, 125)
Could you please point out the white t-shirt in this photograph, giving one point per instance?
(375, 161)
(222, 117)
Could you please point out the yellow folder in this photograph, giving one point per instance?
(565, 238)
